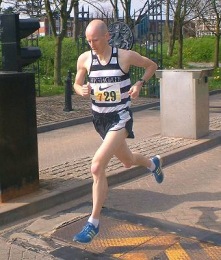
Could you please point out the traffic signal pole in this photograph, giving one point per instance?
(19, 172)
(12, 30)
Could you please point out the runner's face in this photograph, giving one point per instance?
(97, 41)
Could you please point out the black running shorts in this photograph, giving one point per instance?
(104, 122)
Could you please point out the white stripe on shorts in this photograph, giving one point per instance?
(124, 117)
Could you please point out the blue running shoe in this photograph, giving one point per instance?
(88, 232)
(157, 172)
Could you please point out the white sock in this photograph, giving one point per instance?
(152, 166)
(94, 221)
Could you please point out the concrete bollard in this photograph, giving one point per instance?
(184, 102)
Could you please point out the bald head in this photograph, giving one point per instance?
(97, 36)
(96, 26)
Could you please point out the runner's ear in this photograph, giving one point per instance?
(107, 36)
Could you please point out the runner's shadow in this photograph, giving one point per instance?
(145, 201)
(140, 201)
(208, 213)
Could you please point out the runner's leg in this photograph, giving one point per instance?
(112, 142)
(129, 158)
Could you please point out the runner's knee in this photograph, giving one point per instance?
(96, 168)
(128, 163)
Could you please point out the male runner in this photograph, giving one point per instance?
(110, 88)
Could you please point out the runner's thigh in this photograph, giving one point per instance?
(110, 145)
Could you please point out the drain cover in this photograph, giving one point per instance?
(121, 239)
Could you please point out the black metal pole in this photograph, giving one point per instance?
(68, 93)
(19, 171)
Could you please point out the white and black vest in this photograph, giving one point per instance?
(109, 85)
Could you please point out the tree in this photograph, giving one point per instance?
(182, 12)
(216, 5)
(33, 8)
(0, 5)
(211, 18)
(171, 27)
(76, 21)
(126, 5)
(60, 9)
(148, 7)
(114, 4)
(9, 6)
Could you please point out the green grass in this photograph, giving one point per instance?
(51, 90)
(215, 81)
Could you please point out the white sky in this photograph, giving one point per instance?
(136, 5)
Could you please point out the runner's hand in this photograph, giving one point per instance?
(134, 91)
(86, 89)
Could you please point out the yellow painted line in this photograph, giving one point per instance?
(176, 252)
(213, 251)
(129, 227)
(135, 256)
(127, 241)
(141, 253)
(162, 240)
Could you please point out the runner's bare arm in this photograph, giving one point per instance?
(128, 58)
(131, 58)
(79, 86)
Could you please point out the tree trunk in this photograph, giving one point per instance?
(217, 49)
(64, 14)
(127, 15)
(171, 43)
(180, 47)
(116, 11)
(76, 21)
(171, 30)
(57, 61)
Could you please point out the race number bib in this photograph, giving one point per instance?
(107, 93)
